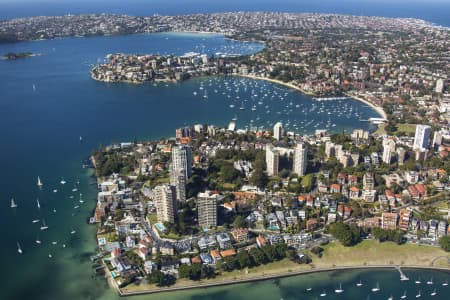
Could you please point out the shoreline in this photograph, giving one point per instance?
(197, 285)
(377, 108)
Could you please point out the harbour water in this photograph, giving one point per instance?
(48, 102)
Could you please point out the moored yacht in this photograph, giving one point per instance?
(376, 289)
(339, 290)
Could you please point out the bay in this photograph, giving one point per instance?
(40, 129)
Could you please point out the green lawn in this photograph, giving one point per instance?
(406, 128)
(372, 252)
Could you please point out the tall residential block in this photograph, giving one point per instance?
(422, 137)
(166, 204)
(207, 209)
(182, 159)
(278, 131)
(272, 160)
(300, 159)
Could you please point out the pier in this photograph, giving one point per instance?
(403, 277)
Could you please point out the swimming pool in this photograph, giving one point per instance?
(160, 226)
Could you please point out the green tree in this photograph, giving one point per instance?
(155, 277)
(257, 256)
(239, 222)
(243, 260)
(347, 235)
(445, 243)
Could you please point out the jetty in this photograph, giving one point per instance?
(403, 277)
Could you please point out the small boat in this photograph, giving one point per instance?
(54, 242)
(64, 245)
(54, 210)
(430, 282)
(63, 181)
(55, 191)
(433, 293)
(403, 296)
(419, 295)
(194, 93)
(205, 95)
(231, 105)
(390, 297)
(44, 226)
(418, 281)
(19, 249)
(35, 221)
(376, 289)
(13, 204)
(38, 204)
(359, 283)
(445, 283)
(50, 256)
(81, 138)
(339, 290)
(76, 206)
(309, 289)
(39, 182)
(34, 87)
(323, 294)
(73, 231)
(74, 189)
(38, 241)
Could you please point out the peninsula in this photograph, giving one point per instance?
(14, 56)
(215, 206)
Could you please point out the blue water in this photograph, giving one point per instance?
(436, 11)
(40, 130)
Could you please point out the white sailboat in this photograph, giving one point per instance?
(403, 296)
(35, 221)
(19, 249)
(418, 281)
(376, 289)
(433, 293)
(62, 181)
(445, 283)
(323, 294)
(39, 182)
(38, 241)
(205, 94)
(13, 204)
(44, 226)
(430, 282)
(38, 204)
(419, 295)
(391, 297)
(359, 283)
(339, 290)
(34, 87)
(73, 231)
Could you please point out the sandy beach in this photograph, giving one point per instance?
(378, 109)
